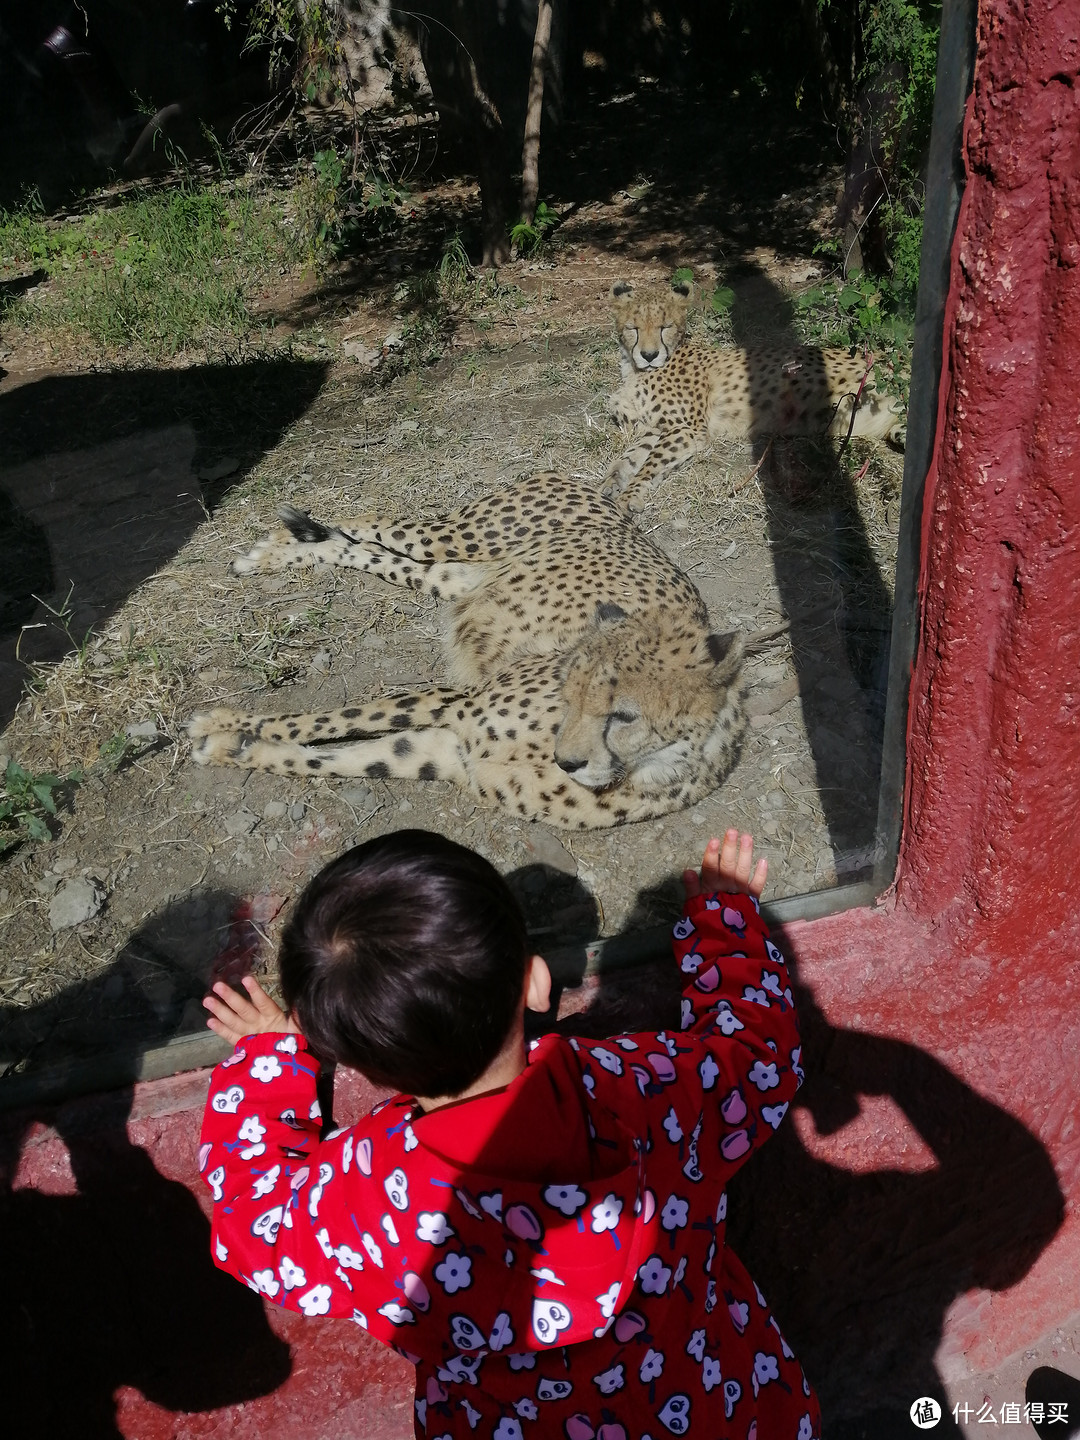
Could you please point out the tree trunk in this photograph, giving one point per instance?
(530, 154)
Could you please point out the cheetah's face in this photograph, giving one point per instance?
(650, 320)
(637, 691)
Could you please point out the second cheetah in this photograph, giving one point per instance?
(678, 395)
(586, 689)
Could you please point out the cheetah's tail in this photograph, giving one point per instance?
(302, 527)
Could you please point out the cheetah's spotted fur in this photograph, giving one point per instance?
(680, 395)
(586, 689)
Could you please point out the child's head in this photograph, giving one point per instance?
(406, 959)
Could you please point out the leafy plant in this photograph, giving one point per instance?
(27, 800)
(531, 239)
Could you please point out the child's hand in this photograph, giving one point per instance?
(234, 1015)
(729, 867)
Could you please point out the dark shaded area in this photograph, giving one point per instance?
(861, 1268)
(99, 486)
(1048, 1386)
(115, 1285)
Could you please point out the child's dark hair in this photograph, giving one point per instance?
(405, 959)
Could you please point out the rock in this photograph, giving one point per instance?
(144, 730)
(241, 822)
(320, 661)
(275, 810)
(227, 465)
(404, 805)
(698, 818)
(75, 902)
(358, 796)
(297, 810)
(64, 864)
(549, 850)
(776, 800)
(363, 354)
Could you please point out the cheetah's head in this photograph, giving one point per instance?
(642, 693)
(650, 320)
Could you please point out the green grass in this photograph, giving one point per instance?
(159, 273)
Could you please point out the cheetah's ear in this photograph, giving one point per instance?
(726, 654)
(608, 613)
(681, 287)
(621, 289)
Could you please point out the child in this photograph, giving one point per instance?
(540, 1233)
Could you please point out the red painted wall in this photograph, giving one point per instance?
(918, 1216)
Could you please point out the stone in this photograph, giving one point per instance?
(549, 850)
(358, 796)
(776, 800)
(144, 730)
(297, 810)
(697, 818)
(64, 864)
(240, 822)
(275, 810)
(404, 805)
(75, 902)
(320, 661)
(365, 355)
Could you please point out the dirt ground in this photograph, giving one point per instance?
(131, 490)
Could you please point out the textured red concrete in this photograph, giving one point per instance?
(908, 1222)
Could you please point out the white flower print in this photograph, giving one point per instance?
(766, 1367)
(710, 1373)
(765, 1077)
(686, 1016)
(461, 1370)
(433, 1227)
(227, 1102)
(605, 1216)
(252, 1131)
(771, 982)
(806, 1429)
(690, 963)
(607, 1300)
(316, 1301)
(567, 1199)
(773, 1114)
(709, 1071)
(466, 1202)
(651, 1366)
(674, 1214)
(323, 1239)
(409, 1137)
(624, 1042)
(397, 1314)
(759, 997)
(453, 1272)
(680, 1271)
(265, 1183)
(348, 1258)
(695, 1346)
(527, 1361)
(547, 1276)
(471, 1415)
(314, 1111)
(286, 1045)
(221, 1251)
(266, 1282)
(326, 1174)
(374, 1250)
(675, 1416)
(672, 1126)
(389, 1229)
(654, 1276)
(346, 1154)
(396, 1186)
(492, 1204)
(609, 1061)
(590, 1084)
(610, 1380)
(502, 1333)
(215, 1180)
(265, 1068)
(526, 1408)
(292, 1277)
(721, 1208)
(507, 1429)
(727, 1022)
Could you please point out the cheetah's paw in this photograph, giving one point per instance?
(209, 722)
(222, 748)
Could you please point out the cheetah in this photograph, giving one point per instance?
(679, 395)
(585, 687)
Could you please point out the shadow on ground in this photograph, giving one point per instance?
(99, 486)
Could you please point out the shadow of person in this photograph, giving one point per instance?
(1047, 1386)
(862, 1264)
(110, 1279)
(831, 588)
(100, 486)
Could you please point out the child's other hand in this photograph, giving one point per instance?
(729, 867)
(232, 1015)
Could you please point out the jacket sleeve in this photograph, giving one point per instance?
(728, 1078)
(282, 1223)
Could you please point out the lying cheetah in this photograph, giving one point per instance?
(680, 395)
(586, 689)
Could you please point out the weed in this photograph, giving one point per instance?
(531, 239)
(27, 801)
